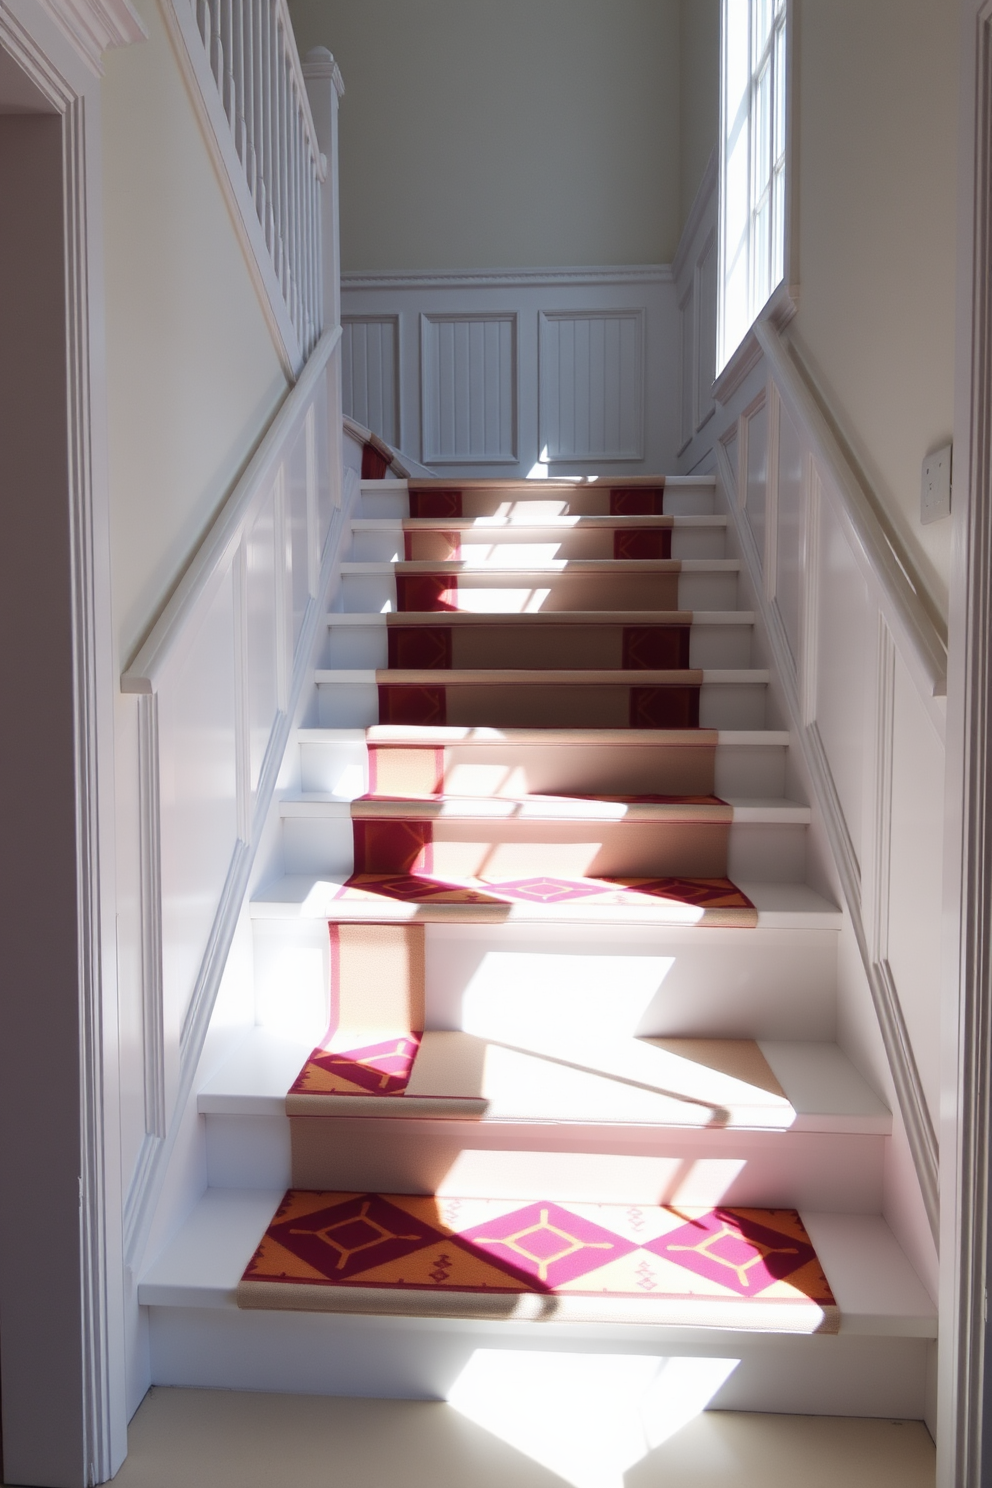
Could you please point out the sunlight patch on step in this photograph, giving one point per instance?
(510, 555)
(587, 1417)
(350, 783)
(292, 990)
(590, 1178)
(502, 601)
(527, 999)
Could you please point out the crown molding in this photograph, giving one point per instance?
(92, 27)
(511, 278)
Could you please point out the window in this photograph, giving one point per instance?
(752, 164)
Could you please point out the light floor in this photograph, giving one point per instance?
(220, 1439)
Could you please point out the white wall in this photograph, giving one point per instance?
(699, 94)
(192, 373)
(877, 117)
(504, 133)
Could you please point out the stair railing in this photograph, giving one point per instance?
(249, 89)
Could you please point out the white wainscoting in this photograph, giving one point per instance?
(212, 694)
(370, 378)
(863, 694)
(860, 660)
(592, 386)
(468, 389)
(519, 371)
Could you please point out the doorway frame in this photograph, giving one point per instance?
(58, 45)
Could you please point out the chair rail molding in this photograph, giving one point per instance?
(248, 88)
(217, 684)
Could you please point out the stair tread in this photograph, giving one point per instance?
(780, 906)
(821, 1091)
(541, 617)
(542, 808)
(425, 735)
(537, 488)
(876, 1289)
(452, 677)
(555, 566)
(542, 524)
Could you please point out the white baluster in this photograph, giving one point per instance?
(227, 48)
(216, 47)
(251, 53)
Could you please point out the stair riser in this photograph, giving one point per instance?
(375, 593)
(680, 500)
(489, 979)
(722, 705)
(840, 1172)
(503, 546)
(514, 769)
(325, 846)
(411, 1359)
(716, 647)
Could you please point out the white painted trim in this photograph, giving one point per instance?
(154, 655)
(808, 662)
(511, 278)
(877, 548)
(964, 1436)
(59, 62)
(150, 895)
(92, 27)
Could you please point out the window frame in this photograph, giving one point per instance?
(776, 299)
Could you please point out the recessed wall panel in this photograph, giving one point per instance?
(468, 389)
(370, 365)
(591, 386)
(789, 546)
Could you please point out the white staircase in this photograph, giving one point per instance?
(504, 988)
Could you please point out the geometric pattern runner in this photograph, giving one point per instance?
(373, 1069)
(720, 900)
(745, 1268)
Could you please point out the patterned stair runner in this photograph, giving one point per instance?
(572, 674)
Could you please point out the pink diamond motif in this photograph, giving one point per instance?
(547, 890)
(733, 1250)
(548, 1244)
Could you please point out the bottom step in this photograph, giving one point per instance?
(876, 1365)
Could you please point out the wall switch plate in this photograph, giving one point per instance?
(935, 496)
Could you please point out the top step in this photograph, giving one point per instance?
(600, 496)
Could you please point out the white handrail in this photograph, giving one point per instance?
(901, 589)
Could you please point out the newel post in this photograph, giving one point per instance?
(324, 88)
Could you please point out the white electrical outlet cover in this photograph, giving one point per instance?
(935, 495)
